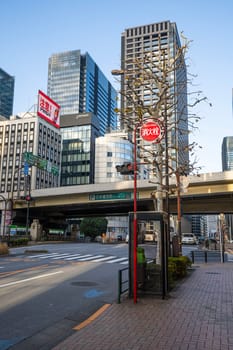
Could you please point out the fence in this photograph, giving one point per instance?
(206, 256)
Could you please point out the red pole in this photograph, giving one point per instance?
(179, 212)
(135, 219)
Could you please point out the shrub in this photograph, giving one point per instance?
(4, 249)
(19, 241)
(177, 267)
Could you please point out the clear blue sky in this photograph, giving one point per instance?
(33, 30)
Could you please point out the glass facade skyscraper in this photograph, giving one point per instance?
(148, 49)
(7, 83)
(227, 153)
(79, 132)
(77, 84)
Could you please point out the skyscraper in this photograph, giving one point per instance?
(227, 153)
(145, 52)
(77, 84)
(7, 83)
(79, 132)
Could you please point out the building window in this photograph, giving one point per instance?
(109, 154)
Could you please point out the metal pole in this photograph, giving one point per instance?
(135, 218)
(4, 216)
(167, 231)
(223, 244)
(220, 240)
(178, 211)
(27, 218)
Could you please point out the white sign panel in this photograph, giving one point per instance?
(48, 109)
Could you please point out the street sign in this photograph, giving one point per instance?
(26, 168)
(40, 163)
(150, 131)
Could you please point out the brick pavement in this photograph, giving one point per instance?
(198, 315)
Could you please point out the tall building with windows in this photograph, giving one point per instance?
(7, 83)
(111, 150)
(149, 49)
(227, 164)
(78, 85)
(79, 132)
(227, 153)
(28, 133)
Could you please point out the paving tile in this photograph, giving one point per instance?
(198, 315)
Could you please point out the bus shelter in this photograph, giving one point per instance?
(152, 254)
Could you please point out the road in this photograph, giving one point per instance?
(47, 290)
(44, 295)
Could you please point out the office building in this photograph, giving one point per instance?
(79, 132)
(23, 134)
(227, 153)
(78, 85)
(227, 164)
(7, 83)
(149, 48)
(199, 225)
(112, 149)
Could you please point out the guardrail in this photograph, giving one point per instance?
(123, 282)
(205, 256)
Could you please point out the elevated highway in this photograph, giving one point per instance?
(209, 193)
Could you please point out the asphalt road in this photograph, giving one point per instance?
(47, 290)
(45, 294)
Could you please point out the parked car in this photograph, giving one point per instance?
(150, 236)
(189, 238)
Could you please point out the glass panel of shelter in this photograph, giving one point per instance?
(150, 252)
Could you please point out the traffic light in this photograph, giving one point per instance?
(28, 198)
(125, 169)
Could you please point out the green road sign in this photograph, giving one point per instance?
(40, 163)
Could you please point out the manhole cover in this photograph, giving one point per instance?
(213, 273)
(84, 284)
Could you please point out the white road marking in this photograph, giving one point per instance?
(116, 260)
(77, 256)
(43, 256)
(104, 259)
(29, 279)
(91, 257)
(62, 256)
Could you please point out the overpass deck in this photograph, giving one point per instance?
(207, 193)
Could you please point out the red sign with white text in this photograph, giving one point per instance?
(150, 131)
(48, 109)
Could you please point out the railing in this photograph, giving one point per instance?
(123, 282)
(205, 256)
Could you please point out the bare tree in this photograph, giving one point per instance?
(156, 86)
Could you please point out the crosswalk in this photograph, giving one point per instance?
(108, 259)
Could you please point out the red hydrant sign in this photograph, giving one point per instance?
(150, 131)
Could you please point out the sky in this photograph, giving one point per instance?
(34, 30)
